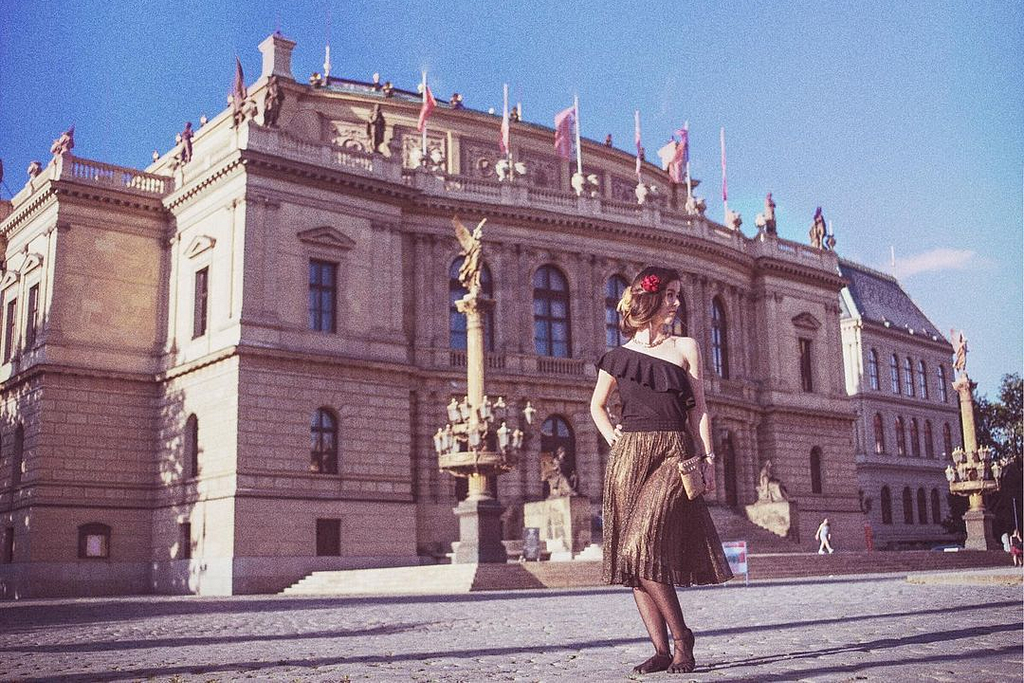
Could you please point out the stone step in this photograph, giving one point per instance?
(465, 578)
(733, 525)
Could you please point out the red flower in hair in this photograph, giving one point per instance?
(651, 283)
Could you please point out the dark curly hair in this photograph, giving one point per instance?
(638, 304)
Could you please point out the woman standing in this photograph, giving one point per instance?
(655, 537)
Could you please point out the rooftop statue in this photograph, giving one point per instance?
(64, 144)
(469, 272)
(34, 169)
(695, 206)
(185, 138)
(817, 232)
(375, 129)
(733, 220)
(766, 220)
(273, 98)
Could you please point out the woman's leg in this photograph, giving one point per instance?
(656, 628)
(664, 597)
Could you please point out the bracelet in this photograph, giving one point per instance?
(710, 457)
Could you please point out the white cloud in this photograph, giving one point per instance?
(935, 259)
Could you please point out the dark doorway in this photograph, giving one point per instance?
(729, 471)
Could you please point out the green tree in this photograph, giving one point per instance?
(1000, 424)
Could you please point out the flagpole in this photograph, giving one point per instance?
(423, 140)
(725, 191)
(689, 185)
(636, 128)
(507, 122)
(579, 148)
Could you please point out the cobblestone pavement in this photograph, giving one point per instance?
(843, 629)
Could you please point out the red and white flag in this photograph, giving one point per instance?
(564, 122)
(427, 109)
(504, 142)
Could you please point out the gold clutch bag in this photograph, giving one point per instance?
(693, 477)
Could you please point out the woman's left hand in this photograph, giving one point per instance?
(708, 470)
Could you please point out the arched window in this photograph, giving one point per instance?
(815, 470)
(192, 446)
(456, 320)
(556, 433)
(947, 441)
(936, 510)
(929, 439)
(719, 339)
(873, 369)
(922, 379)
(93, 541)
(908, 506)
(908, 377)
(18, 456)
(551, 324)
(915, 438)
(894, 374)
(681, 325)
(879, 434)
(901, 437)
(922, 507)
(941, 376)
(323, 432)
(613, 290)
(886, 498)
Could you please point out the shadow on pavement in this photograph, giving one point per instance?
(254, 667)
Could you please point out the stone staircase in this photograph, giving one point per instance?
(465, 578)
(733, 525)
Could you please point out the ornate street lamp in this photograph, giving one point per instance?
(974, 472)
(478, 442)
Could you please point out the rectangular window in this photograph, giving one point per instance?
(328, 537)
(8, 545)
(33, 311)
(185, 541)
(200, 304)
(9, 322)
(805, 365)
(322, 295)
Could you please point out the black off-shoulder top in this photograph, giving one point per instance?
(656, 393)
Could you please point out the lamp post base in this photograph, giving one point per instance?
(479, 533)
(979, 531)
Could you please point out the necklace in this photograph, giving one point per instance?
(650, 345)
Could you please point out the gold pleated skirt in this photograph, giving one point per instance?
(651, 529)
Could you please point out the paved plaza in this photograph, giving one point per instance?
(865, 628)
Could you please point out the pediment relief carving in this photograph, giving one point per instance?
(9, 278)
(199, 245)
(806, 321)
(326, 236)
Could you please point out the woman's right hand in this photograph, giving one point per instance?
(616, 435)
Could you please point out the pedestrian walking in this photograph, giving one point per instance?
(657, 531)
(824, 537)
(1016, 548)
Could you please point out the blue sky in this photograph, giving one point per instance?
(904, 122)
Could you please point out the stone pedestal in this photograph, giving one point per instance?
(979, 531)
(779, 517)
(479, 533)
(564, 522)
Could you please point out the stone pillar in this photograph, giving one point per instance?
(277, 56)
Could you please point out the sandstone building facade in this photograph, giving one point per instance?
(899, 375)
(223, 374)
